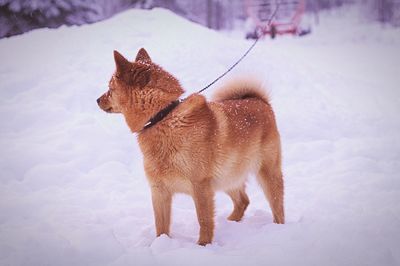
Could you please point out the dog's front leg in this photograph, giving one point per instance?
(203, 197)
(162, 199)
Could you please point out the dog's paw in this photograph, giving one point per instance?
(205, 239)
(235, 217)
(203, 242)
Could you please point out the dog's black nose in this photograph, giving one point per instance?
(98, 101)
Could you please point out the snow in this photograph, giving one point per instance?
(72, 185)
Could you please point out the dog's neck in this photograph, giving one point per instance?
(162, 114)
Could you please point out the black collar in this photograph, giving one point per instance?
(163, 113)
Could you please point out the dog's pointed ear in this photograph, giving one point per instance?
(143, 56)
(142, 77)
(121, 63)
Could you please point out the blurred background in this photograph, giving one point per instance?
(19, 16)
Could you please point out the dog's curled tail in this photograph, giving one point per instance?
(241, 89)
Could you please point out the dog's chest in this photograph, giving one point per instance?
(164, 158)
(169, 170)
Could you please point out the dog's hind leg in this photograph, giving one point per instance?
(271, 181)
(240, 203)
(162, 200)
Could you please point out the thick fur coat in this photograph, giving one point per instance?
(199, 147)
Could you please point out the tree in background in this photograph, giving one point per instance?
(385, 11)
(18, 16)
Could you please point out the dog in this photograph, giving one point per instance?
(197, 147)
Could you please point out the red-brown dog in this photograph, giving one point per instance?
(198, 147)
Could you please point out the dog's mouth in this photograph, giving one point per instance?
(109, 110)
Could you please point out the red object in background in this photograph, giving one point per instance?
(286, 20)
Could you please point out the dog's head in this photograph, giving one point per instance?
(139, 90)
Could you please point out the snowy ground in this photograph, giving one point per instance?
(72, 187)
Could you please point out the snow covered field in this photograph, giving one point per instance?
(72, 187)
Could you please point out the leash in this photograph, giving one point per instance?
(258, 37)
(164, 112)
